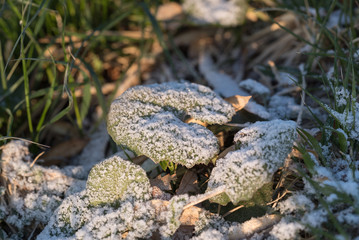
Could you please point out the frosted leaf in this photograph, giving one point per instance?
(225, 13)
(114, 180)
(71, 215)
(38, 190)
(286, 229)
(287, 79)
(173, 214)
(295, 203)
(258, 91)
(263, 148)
(257, 109)
(77, 219)
(147, 120)
(221, 83)
(342, 96)
(271, 140)
(348, 120)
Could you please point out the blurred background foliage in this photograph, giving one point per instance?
(55, 54)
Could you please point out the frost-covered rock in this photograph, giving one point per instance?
(225, 13)
(115, 180)
(263, 148)
(147, 120)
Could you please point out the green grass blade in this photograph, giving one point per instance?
(62, 113)
(157, 31)
(52, 78)
(97, 84)
(2, 70)
(26, 83)
(24, 30)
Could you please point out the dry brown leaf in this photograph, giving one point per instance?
(226, 151)
(192, 120)
(139, 159)
(162, 182)
(169, 11)
(238, 102)
(189, 183)
(64, 151)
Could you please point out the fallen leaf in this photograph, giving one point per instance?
(189, 183)
(192, 120)
(162, 182)
(64, 151)
(169, 11)
(238, 102)
(226, 151)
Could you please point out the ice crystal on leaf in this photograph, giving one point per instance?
(147, 120)
(348, 120)
(77, 219)
(172, 215)
(115, 179)
(263, 148)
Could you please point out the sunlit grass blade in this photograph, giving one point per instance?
(2, 70)
(26, 82)
(23, 30)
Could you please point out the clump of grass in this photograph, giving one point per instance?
(52, 63)
(330, 157)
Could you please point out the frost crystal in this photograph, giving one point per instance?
(263, 148)
(256, 89)
(348, 120)
(77, 219)
(286, 230)
(147, 120)
(38, 190)
(297, 202)
(115, 179)
(172, 215)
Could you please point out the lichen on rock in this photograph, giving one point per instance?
(115, 180)
(262, 149)
(147, 119)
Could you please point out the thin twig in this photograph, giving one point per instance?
(206, 196)
(37, 157)
(304, 86)
(232, 210)
(25, 140)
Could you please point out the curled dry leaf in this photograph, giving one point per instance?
(238, 102)
(189, 183)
